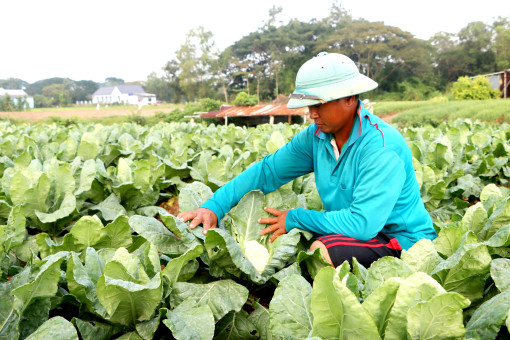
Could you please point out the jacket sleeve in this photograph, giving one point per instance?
(380, 181)
(292, 160)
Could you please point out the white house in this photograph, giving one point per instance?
(125, 94)
(17, 95)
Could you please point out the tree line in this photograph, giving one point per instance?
(265, 62)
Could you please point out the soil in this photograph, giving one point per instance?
(389, 118)
(32, 116)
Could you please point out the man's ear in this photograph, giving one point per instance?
(351, 100)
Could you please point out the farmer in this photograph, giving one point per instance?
(363, 172)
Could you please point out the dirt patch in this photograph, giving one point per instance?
(33, 116)
(389, 118)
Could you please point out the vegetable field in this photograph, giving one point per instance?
(89, 249)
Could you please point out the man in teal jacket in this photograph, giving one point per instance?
(363, 171)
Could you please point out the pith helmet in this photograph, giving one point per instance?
(326, 77)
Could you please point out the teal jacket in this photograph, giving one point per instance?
(372, 187)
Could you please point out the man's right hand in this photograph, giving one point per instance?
(203, 216)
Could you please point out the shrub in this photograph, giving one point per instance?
(64, 121)
(244, 99)
(136, 118)
(477, 88)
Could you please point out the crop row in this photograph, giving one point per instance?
(85, 247)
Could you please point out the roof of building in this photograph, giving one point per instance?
(262, 110)
(125, 89)
(105, 90)
(13, 93)
(214, 114)
(135, 88)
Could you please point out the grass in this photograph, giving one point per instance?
(411, 113)
(494, 111)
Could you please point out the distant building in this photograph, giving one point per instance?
(16, 96)
(123, 94)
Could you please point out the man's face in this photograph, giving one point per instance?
(335, 116)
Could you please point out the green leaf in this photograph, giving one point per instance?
(439, 318)
(56, 328)
(191, 321)
(82, 280)
(500, 239)
(451, 238)
(156, 233)
(289, 310)
(499, 218)
(9, 319)
(34, 316)
(500, 273)
(14, 233)
(260, 317)
(246, 216)
(421, 257)
(94, 330)
(313, 261)
(379, 304)
(174, 267)
(465, 271)
(416, 288)
(275, 142)
(147, 329)
(221, 296)
(236, 325)
(475, 217)
(126, 291)
(65, 209)
(193, 195)
(87, 231)
(180, 229)
(47, 246)
(116, 234)
(110, 208)
(129, 336)
(488, 318)
(42, 284)
(337, 314)
(440, 154)
(383, 269)
(489, 190)
(88, 148)
(87, 176)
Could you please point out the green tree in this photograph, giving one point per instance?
(57, 94)
(6, 104)
(112, 81)
(159, 86)
(501, 48)
(244, 99)
(172, 78)
(194, 58)
(476, 43)
(82, 90)
(41, 101)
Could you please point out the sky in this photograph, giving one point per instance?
(96, 39)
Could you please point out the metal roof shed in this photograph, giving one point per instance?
(262, 110)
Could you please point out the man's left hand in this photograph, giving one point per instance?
(276, 223)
